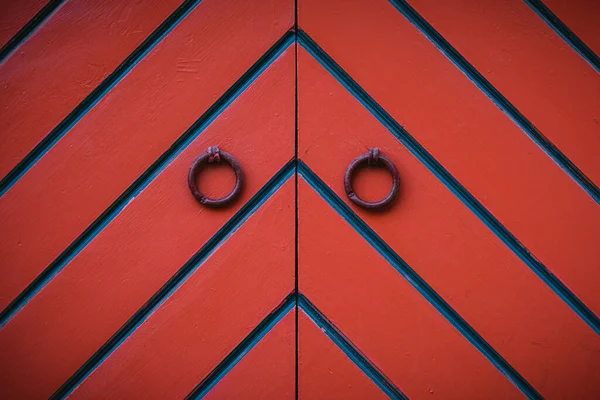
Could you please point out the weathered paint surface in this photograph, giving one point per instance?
(129, 129)
(467, 133)
(581, 16)
(532, 66)
(431, 298)
(445, 243)
(15, 15)
(325, 372)
(268, 371)
(157, 233)
(210, 314)
(63, 61)
(373, 305)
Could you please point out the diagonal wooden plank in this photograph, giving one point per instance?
(147, 242)
(573, 15)
(525, 198)
(496, 293)
(382, 314)
(19, 18)
(267, 371)
(538, 72)
(203, 321)
(128, 130)
(64, 61)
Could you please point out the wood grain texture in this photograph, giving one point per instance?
(325, 372)
(63, 61)
(189, 335)
(467, 133)
(383, 315)
(532, 66)
(159, 230)
(15, 15)
(268, 371)
(581, 16)
(437, 235)
(129, 129)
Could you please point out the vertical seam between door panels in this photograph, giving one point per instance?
(498, 98)
(30, 28)
(565, 32)
(176, 281)
(437, 301)
(296, 229)
(145, 179)
(48, 142)
(404, 137)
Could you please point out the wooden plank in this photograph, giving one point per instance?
(437, 235)
(382, 314)
(63, 62)
(231, 293)
(15, 15)
(581, 16)
(129, 129)
(268, 371)
(467, 133)
(532, 66)
(149, 241)
(325, 372)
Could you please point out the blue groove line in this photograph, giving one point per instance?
(144, 180)
(486, 87)
(351, 351)
(416, 281)
(451, 183)
(96, 95)
(176, 281)
(564, 32)
(243, 348)
(29, 28)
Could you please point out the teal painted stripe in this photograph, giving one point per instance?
(351, 351)
(498, 98)
(96, 95)
(28, 29)
(243, 348)
(451, 183)
(187, 270)
(417, 282)
(565, 33)
(145, 179)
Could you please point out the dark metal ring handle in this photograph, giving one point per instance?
(214, 155)
(373, 157)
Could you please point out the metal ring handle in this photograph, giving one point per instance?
(373, 157)
(214, 155)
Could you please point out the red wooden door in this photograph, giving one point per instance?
(479, 281)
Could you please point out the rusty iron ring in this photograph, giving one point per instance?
(214, 155)
(373, 157)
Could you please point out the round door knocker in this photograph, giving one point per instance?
(214, 155)
(373, 157)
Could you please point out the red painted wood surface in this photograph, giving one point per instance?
(268, 371)
(382, 314)
(532, 66)
(467, 133)
(148, 242)
(129, 129)
(217, 307)
(15, 15)
(63, 61)
(325, 372)
(528, 324)
(581, 16)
